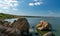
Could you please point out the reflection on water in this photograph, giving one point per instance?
(55, 22)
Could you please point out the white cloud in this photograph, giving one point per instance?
(38, 3)
(16, 4)
(8, 4)
(35, 0)
(35, 3)
(6, 11)
(14, 9)
(31, 4)
(5, 8)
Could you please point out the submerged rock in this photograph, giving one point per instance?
(49, 34)
(44, 25)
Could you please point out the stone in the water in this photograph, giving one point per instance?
(44, 25)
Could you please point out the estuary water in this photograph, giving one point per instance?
(55, 22)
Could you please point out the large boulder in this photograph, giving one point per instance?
(44, 28)
(44, 25)
(22, 25)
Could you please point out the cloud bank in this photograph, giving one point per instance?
(8, 4)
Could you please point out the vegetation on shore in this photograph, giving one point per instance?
(7, 16)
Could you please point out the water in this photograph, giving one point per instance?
(55, 22)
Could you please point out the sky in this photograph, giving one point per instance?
(31, 7)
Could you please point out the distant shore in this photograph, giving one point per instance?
(9, 16)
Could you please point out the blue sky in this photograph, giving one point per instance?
(31, 7)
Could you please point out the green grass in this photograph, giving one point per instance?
(7, 16)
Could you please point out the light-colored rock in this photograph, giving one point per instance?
(44, 25)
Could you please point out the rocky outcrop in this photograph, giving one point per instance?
(22, 25)
(5, 23)
(45, 28)
(44, 25)
(19, 27)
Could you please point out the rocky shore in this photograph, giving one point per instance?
(20, 27)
